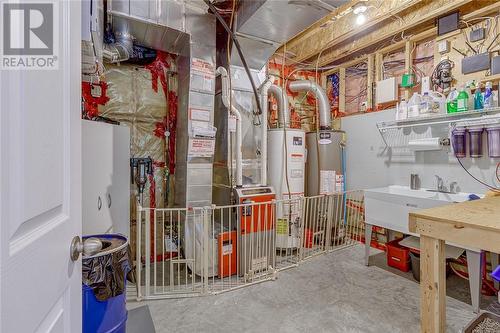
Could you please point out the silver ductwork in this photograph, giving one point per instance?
(325, 121)
(262, 26)
(186, 29)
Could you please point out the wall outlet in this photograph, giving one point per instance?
(426, 84)
(443, 46)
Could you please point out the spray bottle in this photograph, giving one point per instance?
(478, 99)
(462, 100)
(488, 96)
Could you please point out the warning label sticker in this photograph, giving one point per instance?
(327, 181)
(202, 66)
(201, 147)
(282, 227)
(227, 249)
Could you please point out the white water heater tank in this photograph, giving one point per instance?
(286, 174)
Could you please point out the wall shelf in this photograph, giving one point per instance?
(470, 118)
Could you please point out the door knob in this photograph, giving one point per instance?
(89, 247)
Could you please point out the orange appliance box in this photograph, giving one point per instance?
(253, 217)
(227, 253)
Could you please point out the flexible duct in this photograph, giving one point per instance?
(283, 113)
(226, 100)
(322, 100)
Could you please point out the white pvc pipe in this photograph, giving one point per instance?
(323, 103)
(283, 113)
(263, 151)
(226, 100)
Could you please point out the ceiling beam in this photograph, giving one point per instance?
(422, 17)
(339, 26)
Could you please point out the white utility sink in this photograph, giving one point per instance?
(389, 206)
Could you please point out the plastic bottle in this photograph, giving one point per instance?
(478, 99)
(414, 106)
(462, 100)
(451, 101)
(402, 111)
(425, 104)
(438, 102)
(470, 87)
(488, 96)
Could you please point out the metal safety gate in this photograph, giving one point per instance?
(182, 252)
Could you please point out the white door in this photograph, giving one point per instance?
(40, 184)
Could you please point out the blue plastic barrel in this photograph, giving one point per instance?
(110, 315)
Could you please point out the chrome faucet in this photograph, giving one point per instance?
(440, 184)
(453, 187)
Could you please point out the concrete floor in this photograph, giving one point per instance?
(329, 293)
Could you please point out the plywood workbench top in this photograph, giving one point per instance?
(472, 224)
(483, 214)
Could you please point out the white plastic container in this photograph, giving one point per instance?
(439, 102)
(402, 110)
(414, 106)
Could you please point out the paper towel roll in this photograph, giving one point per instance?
(425, 144)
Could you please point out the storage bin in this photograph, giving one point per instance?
(398, 256)
(104, 284)
(493, 141)
(476, 142)
(458, 142)
(415, 265)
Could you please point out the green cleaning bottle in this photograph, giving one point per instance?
(462, 100)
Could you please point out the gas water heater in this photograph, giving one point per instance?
(286, 158)
(286, 161)
(324, 173)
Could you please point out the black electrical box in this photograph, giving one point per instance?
(495, 65)
(476, 34)
(476, 63)
(447, 23)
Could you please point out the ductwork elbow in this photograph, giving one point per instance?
(322, 100)
(283, 112)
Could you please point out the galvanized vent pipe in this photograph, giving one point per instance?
(226, 100)
(322, 100)
(283, 112)
(264, 94)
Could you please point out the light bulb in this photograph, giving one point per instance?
(360, 19)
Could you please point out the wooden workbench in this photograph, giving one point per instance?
(473, 224)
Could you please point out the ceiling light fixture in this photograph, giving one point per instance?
(360, 19)
(359, 8)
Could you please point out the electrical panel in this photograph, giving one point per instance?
(476, 63)
(387, 91)
(477, 34)
(448, 23)
(495, 65)
(443, 46)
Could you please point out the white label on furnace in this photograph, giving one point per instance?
(326, 181)
(201, 147)
(199, 114)
(227, 249)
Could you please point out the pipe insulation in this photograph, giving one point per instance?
(235, 112)
(264, 94)
(283, 112)
(321, 98)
